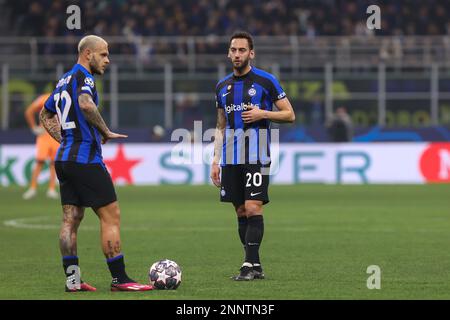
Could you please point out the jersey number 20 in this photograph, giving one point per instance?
(257, 179)
(68, 103)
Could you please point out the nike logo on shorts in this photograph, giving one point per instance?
(254, 194)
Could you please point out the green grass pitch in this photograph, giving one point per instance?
(318, 242)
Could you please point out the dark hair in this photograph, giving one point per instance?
(243, 35)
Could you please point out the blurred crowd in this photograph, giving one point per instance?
(222, 17)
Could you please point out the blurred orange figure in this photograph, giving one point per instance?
(46, 148)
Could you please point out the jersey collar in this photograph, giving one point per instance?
(79, 66)
(244, 75)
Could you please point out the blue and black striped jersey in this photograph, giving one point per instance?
(247, 143)
(80, 142)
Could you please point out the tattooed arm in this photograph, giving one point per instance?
(94, 118)
(51, 124)
(91, 114)
(218, 142)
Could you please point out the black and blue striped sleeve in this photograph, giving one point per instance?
(275, 90)
(49, 104)
(85, 85)
(218, 99)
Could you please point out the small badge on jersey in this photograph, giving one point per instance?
(281, 95)
(229, 87)
(252, 92)
(89, 82)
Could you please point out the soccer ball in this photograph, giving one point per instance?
(165, 274)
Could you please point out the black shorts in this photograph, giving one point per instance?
(84, 185)
(243, 182)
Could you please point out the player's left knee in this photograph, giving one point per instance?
(110, 214)
(114, 213)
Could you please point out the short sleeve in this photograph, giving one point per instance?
(85, 85)
(218, 99)
(218, 103)
(50, 104)
(276, 91)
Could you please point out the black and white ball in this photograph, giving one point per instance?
(165, 274)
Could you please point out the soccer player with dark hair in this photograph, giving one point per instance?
(241, 161)
(84, 180)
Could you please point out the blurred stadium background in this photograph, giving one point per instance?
(166, 58)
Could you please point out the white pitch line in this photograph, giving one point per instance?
(33, 223)
(30, 223)
(25, 223)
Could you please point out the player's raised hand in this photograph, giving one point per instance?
(215, 174)
(111, 135)
(252, 114)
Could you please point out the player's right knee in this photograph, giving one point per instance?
(240, 210)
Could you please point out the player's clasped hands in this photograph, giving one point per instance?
(252, 114)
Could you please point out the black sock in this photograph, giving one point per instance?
(242, 229)
(253, 238)
(70, 261)
(116, 266)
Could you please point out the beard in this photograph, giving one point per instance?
(95, 68)
(242, 66)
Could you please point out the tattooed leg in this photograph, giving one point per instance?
(110, 229)
(72, 216)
